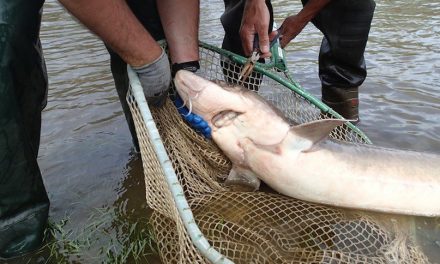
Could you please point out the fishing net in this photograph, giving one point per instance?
(262, 226)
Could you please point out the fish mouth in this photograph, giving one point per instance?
(224, 118)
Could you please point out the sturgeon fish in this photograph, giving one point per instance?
(301, 162)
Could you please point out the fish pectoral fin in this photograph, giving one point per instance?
(243, 177)
(273, 148)
(309, 134)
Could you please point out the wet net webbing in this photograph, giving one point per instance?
(253, 227)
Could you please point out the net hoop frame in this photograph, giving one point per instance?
(271, 70)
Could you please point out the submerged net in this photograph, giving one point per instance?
(254, 227)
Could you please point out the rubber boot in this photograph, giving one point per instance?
(345, 101)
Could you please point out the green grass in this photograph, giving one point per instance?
(105, 238)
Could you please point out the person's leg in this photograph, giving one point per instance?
(345, 25)
(24, 204)
(146, 12)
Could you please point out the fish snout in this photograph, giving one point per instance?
(188, 82)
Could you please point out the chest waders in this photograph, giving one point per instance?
(23, 88)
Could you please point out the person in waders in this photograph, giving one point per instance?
(345, 25)
(24, 204)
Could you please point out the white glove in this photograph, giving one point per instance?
(155, 78)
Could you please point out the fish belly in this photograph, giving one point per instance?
(355, 177)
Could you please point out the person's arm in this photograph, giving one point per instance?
(116, 25)
(256, 21)
(293, 25)
(180, 21)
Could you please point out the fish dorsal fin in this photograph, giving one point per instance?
(305, 136)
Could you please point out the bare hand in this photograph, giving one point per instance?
(255, 21)
(291, 27)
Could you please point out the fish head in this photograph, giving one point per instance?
(207, 98)
(232, 111)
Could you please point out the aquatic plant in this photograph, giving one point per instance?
(105, 238)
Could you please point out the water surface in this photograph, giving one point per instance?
(86, 155)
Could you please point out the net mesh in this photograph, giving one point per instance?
(253, 227)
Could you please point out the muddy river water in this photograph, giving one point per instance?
(86, 155)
